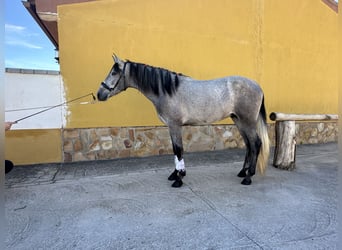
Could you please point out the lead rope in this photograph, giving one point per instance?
(94, 99)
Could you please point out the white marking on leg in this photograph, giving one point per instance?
(179, 164)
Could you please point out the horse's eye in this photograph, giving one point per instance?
(116, 69)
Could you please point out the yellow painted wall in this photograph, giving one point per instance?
(289, 47)
(33, 146)
(300, 57)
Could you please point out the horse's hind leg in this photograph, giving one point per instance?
(177, 145)
(244, 169)
(253, 144)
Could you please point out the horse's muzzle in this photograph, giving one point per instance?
(102, 94)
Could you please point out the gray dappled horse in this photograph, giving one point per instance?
(181, 100)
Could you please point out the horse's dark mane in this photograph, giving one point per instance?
(155, 79)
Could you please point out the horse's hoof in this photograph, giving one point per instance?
(177, 175)
(182, 173)
(246, 181)
(173, 176)
(8, 166)
(242, 173)
(177, 184)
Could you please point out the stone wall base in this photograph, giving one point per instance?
(83, 144)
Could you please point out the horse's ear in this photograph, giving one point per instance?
(115, 58)
(118, 60)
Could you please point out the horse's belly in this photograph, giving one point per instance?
(205, 115)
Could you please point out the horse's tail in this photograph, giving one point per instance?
(265, 146)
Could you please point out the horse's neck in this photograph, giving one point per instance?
(131, 83)
(151, 96)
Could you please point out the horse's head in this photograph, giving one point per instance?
(114, 82)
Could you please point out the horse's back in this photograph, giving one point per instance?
(240, 83)
(220, 90)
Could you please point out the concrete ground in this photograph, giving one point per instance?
(129, 204)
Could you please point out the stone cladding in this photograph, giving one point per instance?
(84, 144)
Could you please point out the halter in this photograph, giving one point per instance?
(103, 84)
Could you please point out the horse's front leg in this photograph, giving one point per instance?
(177, 145)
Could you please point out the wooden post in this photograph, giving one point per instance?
(275, 116)
(285, 132)
(285, 148)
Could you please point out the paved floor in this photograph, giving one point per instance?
(129, 204)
